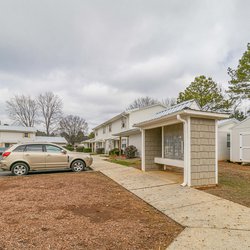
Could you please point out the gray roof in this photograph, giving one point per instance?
(17, 128)
(51, 139)
(190, 104)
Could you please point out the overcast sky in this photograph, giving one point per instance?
(98, 56)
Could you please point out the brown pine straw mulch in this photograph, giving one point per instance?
(78, 211)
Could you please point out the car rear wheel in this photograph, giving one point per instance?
(19, 168)
(78, 166)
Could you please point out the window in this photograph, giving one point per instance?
(6, 145)
(110, 127)
(104, 130)
(19, 148)
(174, 142)
(96, 133)
(124, 143)
(34, 148)
(228, 140)
(123, 122)
(53, 149)
(26, 135)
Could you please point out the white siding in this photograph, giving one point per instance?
(143, 115)
(223, 150)
(15, 137)
(243, 127)
(136, 140)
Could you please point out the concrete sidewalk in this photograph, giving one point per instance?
(211, 222)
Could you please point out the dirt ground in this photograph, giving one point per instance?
(234, 183)
(78, 211)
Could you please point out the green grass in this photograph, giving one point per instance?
(233, 187)
(126, 162)
(121, 162)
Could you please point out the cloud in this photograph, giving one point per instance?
(100, 55)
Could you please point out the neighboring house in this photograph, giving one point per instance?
(240, 142)
(10, 135)
(224, 138)
(52, 139)
(89, 143)
(118, 132)
(183, 136)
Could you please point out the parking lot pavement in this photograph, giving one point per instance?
(4, 173)
(8, 173)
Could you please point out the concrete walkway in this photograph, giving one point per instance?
(211, 222)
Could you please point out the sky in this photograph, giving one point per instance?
(98, 56)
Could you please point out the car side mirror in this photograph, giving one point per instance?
(64, 151)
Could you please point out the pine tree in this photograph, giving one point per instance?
(208, 94)
(239, 85)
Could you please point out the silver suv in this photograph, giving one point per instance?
(22, 158)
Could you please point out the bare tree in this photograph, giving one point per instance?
(23, 110)
(142, 102)
(169, 102)
(73, 128)
(50, 106)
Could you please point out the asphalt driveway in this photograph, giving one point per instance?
(8, 173)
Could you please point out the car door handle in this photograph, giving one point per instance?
(48, 155)
(27, 154)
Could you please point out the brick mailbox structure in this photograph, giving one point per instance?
(183, 136)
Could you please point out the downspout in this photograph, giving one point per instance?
(186, 165)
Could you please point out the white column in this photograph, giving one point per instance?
(143, 150)
(162, 142)
(186, 132)
(216, 151)
(188, 145)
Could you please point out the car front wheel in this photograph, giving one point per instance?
(19, 168)
(78, 166)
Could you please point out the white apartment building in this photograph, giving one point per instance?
(118, 132)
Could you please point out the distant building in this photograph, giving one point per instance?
(10, 135)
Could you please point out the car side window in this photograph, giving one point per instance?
(34, 148)
(19, 148)
(53, 149)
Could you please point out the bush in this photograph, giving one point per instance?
(79, 149)
(114, 151)
(100, 150)
(130, 151)
(87, 150)
(69, 147)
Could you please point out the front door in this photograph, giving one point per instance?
(55, 158)
(35, 156)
